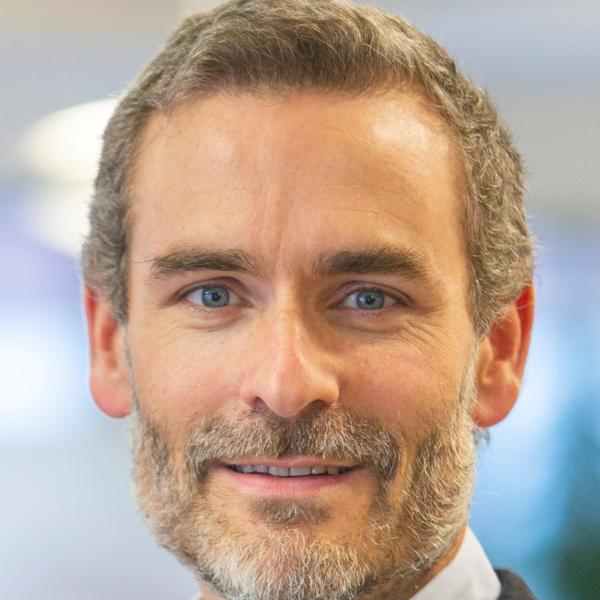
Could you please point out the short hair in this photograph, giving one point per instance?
(332, 47)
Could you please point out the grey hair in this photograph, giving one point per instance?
(329, 46)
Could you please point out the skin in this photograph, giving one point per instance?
(285, 179)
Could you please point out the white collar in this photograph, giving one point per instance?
(469, 576)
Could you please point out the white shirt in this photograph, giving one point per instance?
(468, 576)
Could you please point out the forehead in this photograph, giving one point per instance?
(301, 172)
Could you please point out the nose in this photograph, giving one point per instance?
(289, 367)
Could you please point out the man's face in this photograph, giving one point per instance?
(298, 296)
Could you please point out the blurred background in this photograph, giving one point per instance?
(67, 514)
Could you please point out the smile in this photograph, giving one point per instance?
(297, 477)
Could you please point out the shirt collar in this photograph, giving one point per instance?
(469, 576)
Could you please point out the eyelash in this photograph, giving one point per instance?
(399, 300)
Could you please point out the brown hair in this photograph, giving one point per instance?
(330, 46)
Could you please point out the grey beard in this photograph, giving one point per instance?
(399, 544)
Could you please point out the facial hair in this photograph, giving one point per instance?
(401, 542)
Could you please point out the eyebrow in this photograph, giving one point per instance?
(197, 259)
(380, 260)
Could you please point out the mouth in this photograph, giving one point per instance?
(291, 478)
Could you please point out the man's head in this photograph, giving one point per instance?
(332, 47)
(308, 249)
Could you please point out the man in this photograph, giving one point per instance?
(309, 280)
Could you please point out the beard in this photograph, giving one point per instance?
(282, 559)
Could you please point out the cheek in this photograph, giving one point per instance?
(404, 389)
(187, 375)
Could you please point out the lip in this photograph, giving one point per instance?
(256, 484)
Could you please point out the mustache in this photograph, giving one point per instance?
(332, 434)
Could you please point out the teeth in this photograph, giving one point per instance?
(279, 471)
(299, 471)
(291, 472)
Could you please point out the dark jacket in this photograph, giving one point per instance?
(513, 587)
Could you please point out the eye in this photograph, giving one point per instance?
(370, 299)
(213, 296)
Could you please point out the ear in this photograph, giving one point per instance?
(109, 375)
(501, 362)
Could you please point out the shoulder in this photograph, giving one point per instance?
(513, 587)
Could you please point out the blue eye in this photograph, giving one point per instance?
(369, 299)
(210, 296)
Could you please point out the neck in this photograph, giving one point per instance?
(440, 565)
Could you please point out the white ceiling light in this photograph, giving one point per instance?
(64, 147)
(61, 152)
